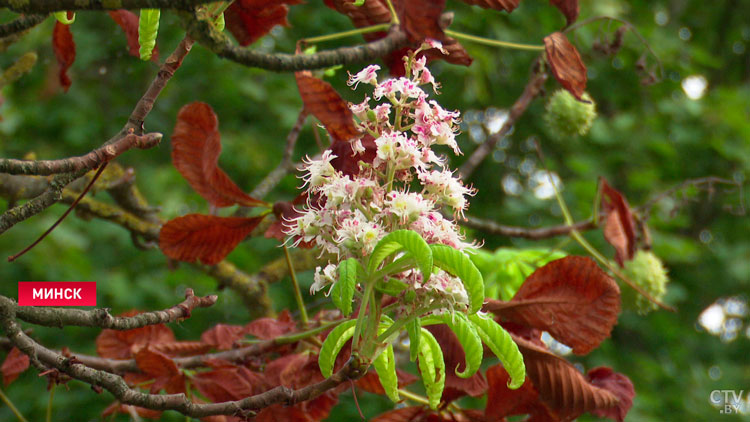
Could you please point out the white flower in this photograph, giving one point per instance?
(367, 75)
(318, 171)
(431, 43)
(387, 146)
(449, 287)
(323, 278)
(408, 206)
(446, 188)
(360, 110)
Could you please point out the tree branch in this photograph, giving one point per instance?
(41, 356)
(532, 89)
(84, 162)
(204, 33)
(49, 6)
(491, 227)
(134, 125)
(61, 317)
(21, 24)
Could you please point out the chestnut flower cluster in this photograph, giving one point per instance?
(404, 187)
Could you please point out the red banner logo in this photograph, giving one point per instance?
(57, 293)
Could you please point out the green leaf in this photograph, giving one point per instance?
(467, 336)
(414, 330)
(458, 264)
(332, 346)
(385, 366)
(342, 292)
(503, 346)
(359, 2)
(62, 17)
(391, 286)
(397, 241)
(219, 23)
(432, 367)
(148, 27)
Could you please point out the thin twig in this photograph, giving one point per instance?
(285, 166)
(21, 24)
(491, 227)
(532, 89)
(88, 161)
(62, 317)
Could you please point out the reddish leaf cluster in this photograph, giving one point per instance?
(65, 52)
(619, 226)
(323, 102)
(420, 19)
(249, 20)
(153, 347)
(196, 146)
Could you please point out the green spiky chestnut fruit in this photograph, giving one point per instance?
(567, 117)
(647, 271)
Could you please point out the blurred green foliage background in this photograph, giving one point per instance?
(645, 140)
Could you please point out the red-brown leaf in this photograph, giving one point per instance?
(162, 369)
(278, 413)
(205, 237)
(249, 20)
(182, 348)
(228, 383)
(371, 382)
(127, 409)
(128, 21)
(14, 364)
(619, 385)
(372, 12)
(65, 52)
(323, 102)
(455, 359)
(571, 298)
(115, 344)
(566, 64)
(502, 401)
(420, 19)
(284, 212)
(560, 385)
(506, 5)
(223, 336)
(270, 328)
(196, 145)
(320, 407)
(405, 414)
(619, 226)
(569, 8)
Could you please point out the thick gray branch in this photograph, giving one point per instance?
(49, 6)
(21, 24)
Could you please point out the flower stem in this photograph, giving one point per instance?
(297, 292)
(394, 16)
(344, 34)
(494, 43)
(12, 408)
(49, 404)
(413, 397)
(362, 314)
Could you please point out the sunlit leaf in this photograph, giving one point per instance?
(403, 240)
(503, 346)
(333, 344)
(432, 367)
(458, 264)
(342, 293)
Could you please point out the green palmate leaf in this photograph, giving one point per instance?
(332, 346)
(403, 240)
(148, 27)
(503, 346)
(342, 292)
(385, 366)
(414, 330)
(62, 17)
(457, 263)
(467, 336)
(432, 367)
